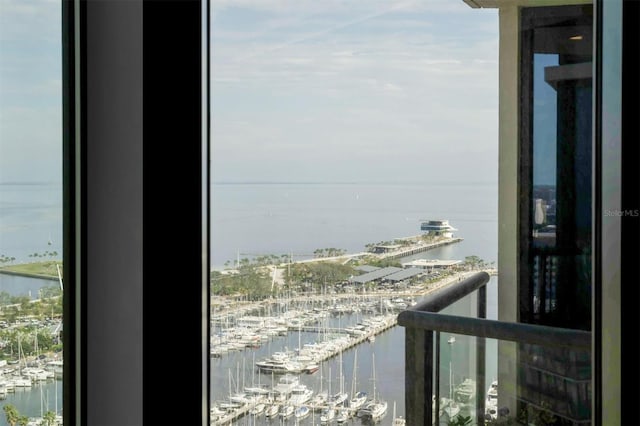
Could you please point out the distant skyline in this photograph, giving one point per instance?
(394, 91)
(30, 91)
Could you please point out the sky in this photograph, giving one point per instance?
(354, 91)
(302, 90)
(30, 91)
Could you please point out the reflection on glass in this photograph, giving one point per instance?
(550, 385)
(558, 42)
(31, 273)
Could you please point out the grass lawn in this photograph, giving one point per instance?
(43, 268)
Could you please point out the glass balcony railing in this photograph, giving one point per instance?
(462, 368)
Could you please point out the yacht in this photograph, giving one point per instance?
(286, 384)
(491, 401)
(300, 394)
(279, 366)
(465, 391)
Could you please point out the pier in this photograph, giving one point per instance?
(417, 248)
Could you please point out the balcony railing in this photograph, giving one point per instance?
(543, 372)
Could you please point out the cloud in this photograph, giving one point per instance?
(323, 82)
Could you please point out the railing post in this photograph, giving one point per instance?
(418, 376)
(481, 359)
(436, 388)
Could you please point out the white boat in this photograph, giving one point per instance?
(450, 407)
(215, 413)
(286, 384)
(300, 394)
(491, 401)
(327, 415)
(397, 420)
(302, 412)
(22, 382)
(55, 366)
(311, 368)
(339, 398)
(343, 416)
(319, 399)
(286, 411)
(272, 411)
(280, 366)
(465, 391)
(376, 408)
(257, 409)
(358, 400)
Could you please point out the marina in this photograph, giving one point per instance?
(314, 346)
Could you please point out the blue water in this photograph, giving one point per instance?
(299, 218)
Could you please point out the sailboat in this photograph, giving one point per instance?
(397, 421)
(358, 398)
(341, 396)
(376, 408)
(321, 397)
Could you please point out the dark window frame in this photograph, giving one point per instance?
(135, 212)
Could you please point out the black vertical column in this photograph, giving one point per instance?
(107, 215)
(174, 234)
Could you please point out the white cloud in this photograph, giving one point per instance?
(327, 82)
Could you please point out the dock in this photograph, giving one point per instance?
(386, 322)
(418, 248)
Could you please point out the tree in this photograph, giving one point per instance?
(23, 421)
(473, 261)
(49, 418)
(11, 413)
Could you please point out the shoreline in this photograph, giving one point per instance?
(417, 247)
(29, 275)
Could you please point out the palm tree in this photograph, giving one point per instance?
(49, 418)
(23, 421)
(11, 412)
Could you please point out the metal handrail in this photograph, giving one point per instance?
(425, 316)
(423, 319)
